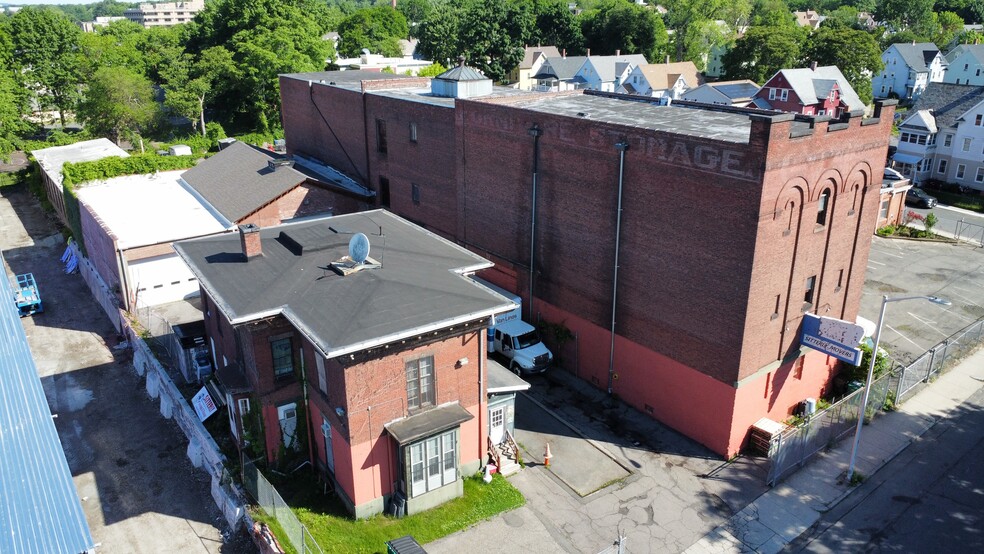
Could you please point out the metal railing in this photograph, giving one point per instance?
(795, 446)
(272, 504)
(971, 232)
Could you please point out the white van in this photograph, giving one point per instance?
(517, 341)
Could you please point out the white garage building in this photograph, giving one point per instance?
(129, 225)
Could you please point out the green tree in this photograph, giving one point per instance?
(763, 51)
(438, 38)
(484, 37)
(557, 26)
(113, 46)
(855, 53)
(377, 29)
(415, 12)
(432, 70)
(119, 103)
(620, 25)
(911, 15)
(47, 57)
(189, 83)
(772, 13)
(950, 25)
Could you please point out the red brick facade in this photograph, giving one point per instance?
(718, 238)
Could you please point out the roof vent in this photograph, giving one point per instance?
(582, 114)
(277, 163)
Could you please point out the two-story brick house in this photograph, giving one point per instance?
(681, 244)
(375, 371)
(809, 91)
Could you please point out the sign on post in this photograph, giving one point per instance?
(203, 404)
(833, 337)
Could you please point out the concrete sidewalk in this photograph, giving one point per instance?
(785, 512)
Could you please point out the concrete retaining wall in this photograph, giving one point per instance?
(104, 297)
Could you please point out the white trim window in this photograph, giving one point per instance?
(432, 463)
(420, 382)
(941, 168)
(947, 140)
(960, 171)
(980, 175)
(967, 141)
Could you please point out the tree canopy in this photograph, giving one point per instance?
(763, 51)
(624, 26)
(855, 53)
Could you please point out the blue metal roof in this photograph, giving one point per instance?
(40, 510)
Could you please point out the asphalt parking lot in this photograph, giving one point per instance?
(898, 267)
(139, 491)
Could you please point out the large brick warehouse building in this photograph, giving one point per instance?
(681, 244)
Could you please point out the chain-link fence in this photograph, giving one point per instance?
(272, 504)
(794, 446)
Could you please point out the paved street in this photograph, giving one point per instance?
(929, 499)
(139, 491)
(949, 217)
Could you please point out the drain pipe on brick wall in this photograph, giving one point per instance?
(536, 133)
(621, 146)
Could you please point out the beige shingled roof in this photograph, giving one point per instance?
(665, 75)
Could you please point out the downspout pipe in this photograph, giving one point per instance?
(621, 146)
(536, 133)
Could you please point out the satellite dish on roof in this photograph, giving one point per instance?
(359, 248)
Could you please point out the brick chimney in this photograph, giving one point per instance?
(249, 239)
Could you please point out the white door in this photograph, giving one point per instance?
(232, 415)
(161, 279)
(497, 424)
(288, 423)
(433, 463)
(329, 452)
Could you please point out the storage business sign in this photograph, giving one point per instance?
(833, 337)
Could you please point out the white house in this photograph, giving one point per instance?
(556, 74)
(943, 139)
(908, 69)
(533, 59)
(607, 73)
(966, 65)
(661, 79)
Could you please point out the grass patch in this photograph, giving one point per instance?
(965, 201)
(336, 531)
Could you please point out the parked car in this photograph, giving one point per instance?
(916, 197)
(892, 175)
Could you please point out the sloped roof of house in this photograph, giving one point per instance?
(664, 75)
(40, 505)
(419, 286)
(52, 159)
(608, 66)
(922, 119)
(917, 56)
(948, 102)
(809, 18)
(462, 72)
(803, 82)
(238, 180)
(530, 53)
(976, 50)
(561, 68)
(736, 90)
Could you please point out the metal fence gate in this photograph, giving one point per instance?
(272, 504)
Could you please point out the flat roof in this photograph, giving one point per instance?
(40, 511)
(645, 114)
(52, 159)
(501, 380)
(149, 209)
(419, 286)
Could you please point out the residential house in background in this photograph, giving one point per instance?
(810, 19)
(809, 91)
(383, 358)
(727, 93)
(909, 68)
(51, 160)
(557, 74)
(943, 138)
(796, 200)
(533, 58)
(164, 14)
(606, 73)
(965, 65)
(671, 80)
(102, 21)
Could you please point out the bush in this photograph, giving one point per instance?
(860, 372)
(886, 231)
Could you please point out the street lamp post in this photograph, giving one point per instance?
(871, 370)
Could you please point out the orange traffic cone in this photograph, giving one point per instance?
(547, 455)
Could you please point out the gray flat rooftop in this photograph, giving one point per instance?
(349, 79)
(717, 125)
(418, 287)
(40, 511)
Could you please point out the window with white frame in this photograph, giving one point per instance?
(883, 209)
(941, 168)
(966, 144)
(772, 94)
(980, 175)
(783, 95)
(960, 171)
(432, 463)
(420, 382)
(979, 120)
(947, 140)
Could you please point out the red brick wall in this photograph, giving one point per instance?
(100, 245)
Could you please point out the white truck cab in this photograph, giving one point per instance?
(514, 339)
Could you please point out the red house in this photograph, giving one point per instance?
(809, 91)
(373, 371)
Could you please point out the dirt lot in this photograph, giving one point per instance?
(139, 491)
